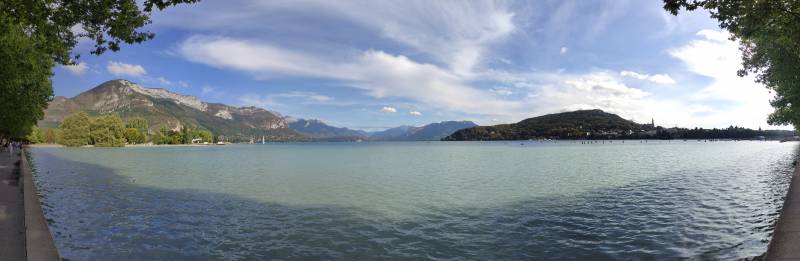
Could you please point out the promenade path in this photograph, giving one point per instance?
(12, 226)
(785, 243)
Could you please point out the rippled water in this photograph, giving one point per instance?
(472, 200)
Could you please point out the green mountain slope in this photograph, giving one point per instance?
(173, 111)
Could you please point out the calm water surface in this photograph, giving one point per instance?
(417, 200)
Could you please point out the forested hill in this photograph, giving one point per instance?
(596, 124)
(565, 125)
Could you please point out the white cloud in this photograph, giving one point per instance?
(388, 109)
(415, 113)
(714, 56)
(661, 79)
(163, 81)
(501, 91)
(308, 96)
(383, 75)
(77, 69)
(278, 101)
(556, 92)
(453, 34)
(222, 52)
(183, 84)
(258, 101)
(377, 73)
(656, 78)
(726, 100)
(435, 63)
(207, 90)
(124, 69)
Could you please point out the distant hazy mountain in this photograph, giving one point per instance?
(433, 131)
(317, 129)
(565, 125)
(396, 133)
(166, 109)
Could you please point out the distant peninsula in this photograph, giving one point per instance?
(597, 124)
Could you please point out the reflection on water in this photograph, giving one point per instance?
(415, 200)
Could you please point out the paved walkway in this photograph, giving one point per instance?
(12, 226)
(785, 244)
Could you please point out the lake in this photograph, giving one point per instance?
(416, 200)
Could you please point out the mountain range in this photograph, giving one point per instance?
(319, 130)
(433, 131)
(165, 109)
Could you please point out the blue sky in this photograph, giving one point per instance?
(379, 64)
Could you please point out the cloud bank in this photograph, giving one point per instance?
(124, 69)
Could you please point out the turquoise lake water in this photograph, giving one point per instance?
(416, 200)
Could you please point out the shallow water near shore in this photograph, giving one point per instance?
(416, 200)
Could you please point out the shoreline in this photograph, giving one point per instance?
(786, 237)
(610, 141)
(49, 145)
(39, 243)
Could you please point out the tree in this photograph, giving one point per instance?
(108, 131)
(50, 136)
(139, 124)
(158, 136)
(175, 137)
(76, 130)
(36, 135)
(109, 23)
(25, 75)
(134, 136)
(769, 33)
(205, 135)
(37, 34)
(165, 136)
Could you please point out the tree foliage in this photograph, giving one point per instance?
(141, 126)
(59, 24)
(134, 136)
(50, 136)
(769, 33)
(108, 131)
(76, 130)
(24, 79)
(138, 123)
(184, 136)
(37, 34)
(36, 135)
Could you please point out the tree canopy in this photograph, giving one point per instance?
(76, 130)
(769, 33)
(25, 74)
(138, 123)
(134, 136)
(35, 35)
(36, 135)
(60, 23)
(107, 131)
